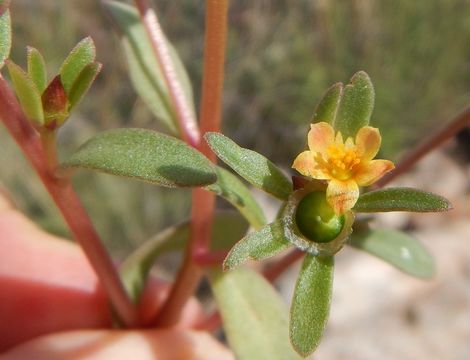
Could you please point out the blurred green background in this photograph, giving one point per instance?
(282, 55)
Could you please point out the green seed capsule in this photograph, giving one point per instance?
(316, 219)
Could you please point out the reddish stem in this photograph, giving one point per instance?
(210, 258)
(67, 201)
(211, 323)
(272, 272)
(186, 121)
(203, 204)
(426, 146)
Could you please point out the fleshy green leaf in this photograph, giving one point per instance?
(83, 82)
(144, 155)
(5, 37)
(311, 303)
(250, 165)
(228, 228)
(229, 187)
(401, 199)
(328, 107)
(258, 245)
(254, 316)
(37, 68)
(144, 69)
(27, 93)
(355, 108)
(80, 56)
(396, 248)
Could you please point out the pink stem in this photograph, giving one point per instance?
(67, 201)
(203, 205)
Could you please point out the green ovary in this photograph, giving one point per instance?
(316, 219)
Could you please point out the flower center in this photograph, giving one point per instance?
(340, 161)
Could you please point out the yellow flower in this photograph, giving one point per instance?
(345, 164)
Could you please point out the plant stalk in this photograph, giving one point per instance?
(426, 146)
(67, 201)
(203, 202)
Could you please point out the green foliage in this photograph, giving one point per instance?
(401, 199)
(311, 303)
(144, 155)
(144, 69)
(229, 187)
(27, 92)
(327, 108)
(83, 82)
(81, 55)
(258, 245)
(254, 316)
(250, 165)
(135, 269)
(5, 37)
(396, 248)
(37, 68)
(356, 105)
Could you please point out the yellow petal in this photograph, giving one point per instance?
(371, 171)
(320, 136)
(342, 195)
(305, 164)
(368, 142)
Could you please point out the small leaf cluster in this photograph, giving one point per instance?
(48, 104)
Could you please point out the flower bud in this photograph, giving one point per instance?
(55, 104)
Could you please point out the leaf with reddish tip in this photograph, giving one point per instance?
(83, 82)
(27, 93)
(37, 68)
(80, 56)
(55, 104)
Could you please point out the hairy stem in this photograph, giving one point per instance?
(426, 146)
(186, 121)
(49, 145)
(203, 201)
(67, 201)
